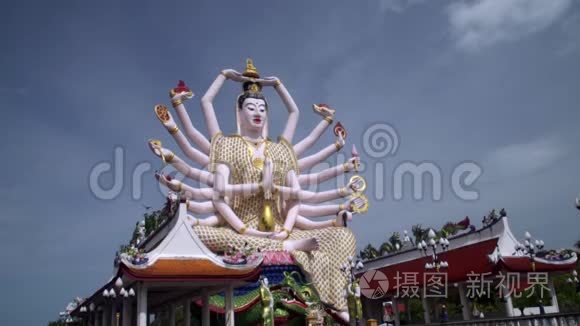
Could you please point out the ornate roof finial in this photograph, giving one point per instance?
(251, 70)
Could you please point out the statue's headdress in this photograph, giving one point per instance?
(250, 89)
(252, 72)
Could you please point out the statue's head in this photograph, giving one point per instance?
(252, 109)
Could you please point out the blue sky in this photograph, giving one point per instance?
(491, 82)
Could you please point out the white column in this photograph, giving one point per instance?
(127, 305)
(229, 296)
(426, 311)
(187, 312)
(172, 314)
(142, 305)
(553, 294)
(463, 300)
(396, 311)
(509, 305)
(204, 308)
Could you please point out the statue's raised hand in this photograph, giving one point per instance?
(269, 81)
(235, 76)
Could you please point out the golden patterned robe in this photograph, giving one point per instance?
(322, 266)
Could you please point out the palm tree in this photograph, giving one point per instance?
(419, 233)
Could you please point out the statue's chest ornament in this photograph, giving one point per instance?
(257, 152)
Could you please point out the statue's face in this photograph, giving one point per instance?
(253, 114)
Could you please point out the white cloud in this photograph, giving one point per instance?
(481, 23)
(523, 159)
(397, 6)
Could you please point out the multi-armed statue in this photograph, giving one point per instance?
(254, 184)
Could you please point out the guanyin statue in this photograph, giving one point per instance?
(255, 183)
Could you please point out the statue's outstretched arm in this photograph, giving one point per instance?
(207, 105)
(307, 142)
(196, 207)
(208, 221)
(305, 223)
(306, 196)
(293, 111)
(190, 172)
(324, 210)
(327, 174)
(179, 95)
(308, 162)
(187, 191)
(166, 119)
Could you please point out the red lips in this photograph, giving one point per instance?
(256, 120)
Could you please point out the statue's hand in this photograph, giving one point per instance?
(267, 179)
(234, 75)
(340, 142)
(351, 163)
(324, 110)
(269, 81)
(282, 235)
(343, 216)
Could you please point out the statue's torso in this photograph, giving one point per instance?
(237, 154)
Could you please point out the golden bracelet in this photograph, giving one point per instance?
(196, 222)
(277, 83)
(173, 130)
(243, 229)
(179, 186)
(176, 103)
(341, 207)
(338, 146)
(345, 167)
(169, 157)
(334, 223)
(286, 230)
(342, 192)
(328, 119)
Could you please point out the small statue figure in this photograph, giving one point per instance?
(267, 303)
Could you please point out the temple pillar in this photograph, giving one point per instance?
(106, 315)
(509, 305)
(204, 308)
(113, 314)
(396, 311)
(172, 314)
(426, 311)
(187, 312)
(127, 320)
(229, 305)
(464, 302)
(142, 305)
(554, 300)
(99, 317)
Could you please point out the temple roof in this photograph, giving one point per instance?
(488, 250)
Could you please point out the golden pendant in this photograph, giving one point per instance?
(258, 163)
(266, 222)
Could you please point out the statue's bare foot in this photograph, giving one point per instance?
(309, 244)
